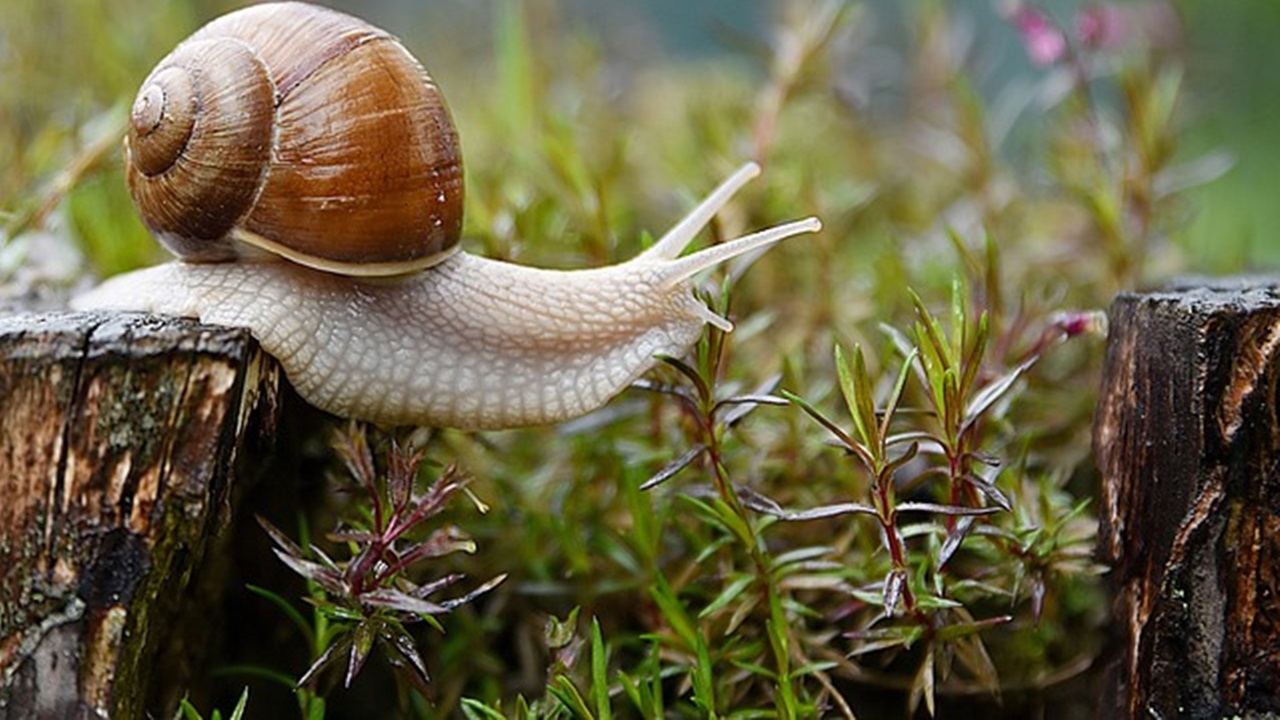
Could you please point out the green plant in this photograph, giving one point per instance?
(370, 598)
(917, 602)
(187, 711)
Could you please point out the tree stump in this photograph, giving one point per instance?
(119, 440)
(1188, 444)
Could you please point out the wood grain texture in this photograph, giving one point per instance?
(1188, 444)
(119, 435)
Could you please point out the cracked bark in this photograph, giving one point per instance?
(1188, 444)
(119, 442)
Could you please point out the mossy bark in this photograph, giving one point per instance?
(122, 442)
(1188, 442)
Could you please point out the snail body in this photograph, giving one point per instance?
(424, 336)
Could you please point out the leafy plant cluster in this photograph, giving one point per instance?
(872, 498)
(368, 600)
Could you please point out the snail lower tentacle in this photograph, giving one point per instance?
(469, 343)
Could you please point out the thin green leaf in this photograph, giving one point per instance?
(972, 653)
(187, 710)
(729, 518)
(895, 397)
(238, 712)
(846, 442)
(903, 344)
(473, 709)
(892, 466)
(673, 467)
(855, 386)
(952, 405)
(993, 391)
(934, 346)
(486, 587)
(929, 601)
(959, 323)
(645, 690)
(954, 538)
(945, 509)
(800, 555)
(780, 641)
(673, 612)
(323, 576)
(883, 638)
(927, 440)
(634, 691)
(811, 668)
(704, 689)
(280, 539)
(923, 685)
(704, 391)
(989, 490)
(955, 630)
(1076, 511)
(393, 599)
(334, 611)
(753, 500)
(599, 673)
(404, 655)
(741, 613)
(743, 404)
(973, 358)
(756, 669)
(567, 693)
(362, 641)
(730, 593)
(330, 653)
(826, 511)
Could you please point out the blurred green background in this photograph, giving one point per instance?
(67, 65)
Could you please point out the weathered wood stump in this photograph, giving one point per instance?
(1188, 444)
(119, 437)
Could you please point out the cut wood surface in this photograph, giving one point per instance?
(1188, 444)
(119, 435)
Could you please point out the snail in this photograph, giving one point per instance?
(304, 168)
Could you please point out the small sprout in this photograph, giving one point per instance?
(564, 643)
(187, 711)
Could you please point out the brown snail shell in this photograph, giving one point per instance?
(301, 131)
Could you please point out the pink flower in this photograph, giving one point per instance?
(1072, 323)
(1044, 42)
